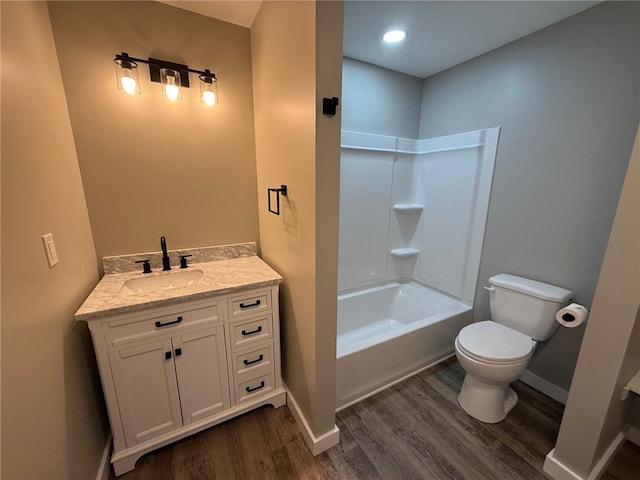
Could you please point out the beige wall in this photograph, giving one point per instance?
(609, 356)
(151, 167)
(139, 184)
(53, 418)
(282, 48)
(329, 22)
(301, 243)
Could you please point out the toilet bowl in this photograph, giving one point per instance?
(491, 365)
(496, 352)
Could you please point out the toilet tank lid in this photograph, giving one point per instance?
(531, 287)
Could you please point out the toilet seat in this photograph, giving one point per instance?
(491, 342)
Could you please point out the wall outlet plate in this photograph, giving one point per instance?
(50, 249)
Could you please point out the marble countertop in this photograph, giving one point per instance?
(219, 277)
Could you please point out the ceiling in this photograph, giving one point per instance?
(239, 12)
(441, 34)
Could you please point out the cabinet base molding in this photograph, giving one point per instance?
(125, 460)
(319, 444)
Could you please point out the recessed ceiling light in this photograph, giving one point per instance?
(394, 36)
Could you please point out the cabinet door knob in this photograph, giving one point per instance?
(178, 352)
(167, 355)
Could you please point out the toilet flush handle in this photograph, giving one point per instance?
(490, 289)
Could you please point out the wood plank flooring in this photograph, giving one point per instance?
(412, 431)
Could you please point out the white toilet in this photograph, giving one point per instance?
(496, 352)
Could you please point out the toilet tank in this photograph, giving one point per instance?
(525, 305)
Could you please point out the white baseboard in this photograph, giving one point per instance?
(104, 469)
(633, 435)
(319, 444)
(607, 456)
(544, 386)
(559, 471)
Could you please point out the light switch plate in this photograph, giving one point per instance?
(50, 249)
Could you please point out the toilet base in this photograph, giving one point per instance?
(487, 402)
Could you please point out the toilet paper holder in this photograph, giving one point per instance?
(572, 315)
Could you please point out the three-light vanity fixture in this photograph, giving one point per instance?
(172, 76)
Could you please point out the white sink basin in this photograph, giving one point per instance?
(159, 283)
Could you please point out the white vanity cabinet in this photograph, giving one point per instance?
(171, 371)
(251, 345)
(166, 383)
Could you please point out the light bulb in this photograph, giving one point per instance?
(394, 36)
(209, 98)
(127, 75)
(208, 88)
(171, 90)
(129, 84)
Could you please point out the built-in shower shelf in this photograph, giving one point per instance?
(632, 386)
(408, 208)
(404, 253)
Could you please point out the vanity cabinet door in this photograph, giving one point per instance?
(201, 366)
(146, 388)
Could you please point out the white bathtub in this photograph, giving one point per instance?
(390, 331)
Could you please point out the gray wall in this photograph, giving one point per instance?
(610, 355)
(380, 101)
(567, 98)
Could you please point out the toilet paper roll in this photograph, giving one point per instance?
(572, 315)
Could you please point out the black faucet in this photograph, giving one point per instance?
(166, 263)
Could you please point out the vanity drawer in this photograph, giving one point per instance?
(255, 387)
(254, 362)
(246, 332)
(249, 303)
(132, 328)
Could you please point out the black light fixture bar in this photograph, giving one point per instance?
(154, 70)
(156, 64)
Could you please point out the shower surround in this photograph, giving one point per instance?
(412, 218)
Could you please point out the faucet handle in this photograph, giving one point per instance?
(183, 260)
(146, 266)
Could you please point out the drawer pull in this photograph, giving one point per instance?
(253, 389)
(251, 362)
(160, 324)
(257, 330)
(249, 305)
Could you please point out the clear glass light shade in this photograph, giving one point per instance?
(127, 77)
(170, 80)
(208, 91)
